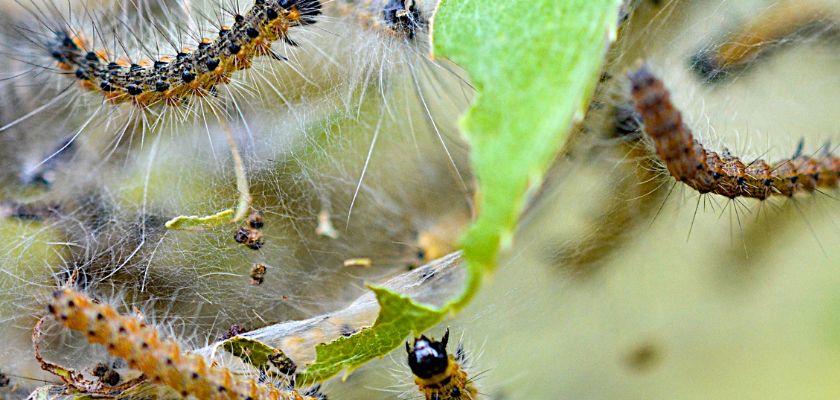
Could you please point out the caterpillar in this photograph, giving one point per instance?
(772, 27)
(162, 361)
(402, 18)
(174, 80)
(190, 73)
(706, 171)
(630, 194)
(438, 375)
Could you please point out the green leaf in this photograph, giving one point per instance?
(256, 353)
(398, 317)
(193, 222)
(534, 64)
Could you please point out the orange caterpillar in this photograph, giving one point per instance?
(189, 73)
(161, 361)
(438, 375)
(724, 174)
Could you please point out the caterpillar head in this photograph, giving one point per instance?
(428, 358)
(402, 16)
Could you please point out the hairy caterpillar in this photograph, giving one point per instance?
(172, 80)
(708, 172)
(396, 64)
(772, 27)
(609, 139)
(203, 277)
(438, 375)
(630, 195)
(160, 360)
(399, 17)
(189, 73)
(608, 159)
(122, 245)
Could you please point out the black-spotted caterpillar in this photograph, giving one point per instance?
(191, 72)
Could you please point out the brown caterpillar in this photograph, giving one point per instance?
(161, 361)
(191, 73)
(709, 172)
(771, 27)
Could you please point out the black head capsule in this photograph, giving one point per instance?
(160, 64)
(91, 56)
(106, 86)
(252, 33)
(212, 64)
(82, 74)
(704, 64)
(428, 358)
(238, 18)
(187, 76)
(113, 66)
(181, 56)
(271, 14)
(401, 19)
